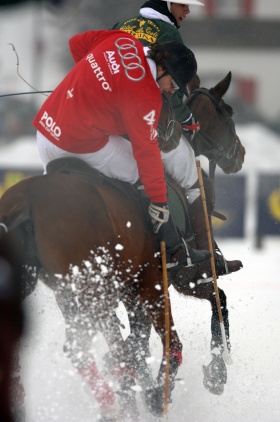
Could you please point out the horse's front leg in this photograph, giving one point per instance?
(216, 340)
(120, 364)
(137, 341)
(215, 373)
(157, 305)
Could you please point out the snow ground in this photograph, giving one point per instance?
(55, 392)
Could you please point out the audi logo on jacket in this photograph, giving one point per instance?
(110, 90)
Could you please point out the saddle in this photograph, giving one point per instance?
(79, 167)
(176, 198)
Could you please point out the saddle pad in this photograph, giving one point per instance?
(179, 208)
(74, 165)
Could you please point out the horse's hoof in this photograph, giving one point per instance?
(215, 376)
(109, 414)
(127, 399)
(154, 398)
(213, 387)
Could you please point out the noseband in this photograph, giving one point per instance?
(223, 156)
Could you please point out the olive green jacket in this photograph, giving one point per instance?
(150, 31)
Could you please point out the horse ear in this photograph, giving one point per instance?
(193, 84)
(221, 88)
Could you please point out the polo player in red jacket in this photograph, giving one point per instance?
(115, 89)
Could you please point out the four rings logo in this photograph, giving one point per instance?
(128, 51)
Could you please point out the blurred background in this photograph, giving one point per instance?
(238, 35)
(241, 36)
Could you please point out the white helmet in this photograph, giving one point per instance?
(189, 2)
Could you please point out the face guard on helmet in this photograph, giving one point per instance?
(179, 61)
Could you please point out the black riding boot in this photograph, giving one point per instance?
(178, 252)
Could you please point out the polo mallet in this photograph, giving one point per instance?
(226, 356)
(167, 325)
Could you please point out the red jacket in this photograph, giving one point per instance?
(110, 91)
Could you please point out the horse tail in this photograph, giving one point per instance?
(15, 208)
(16, 231)
(3, 229)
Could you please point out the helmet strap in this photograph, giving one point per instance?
(162, 76)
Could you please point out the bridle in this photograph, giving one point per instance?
(167, 131)
(217, 153)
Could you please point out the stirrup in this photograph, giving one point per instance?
(197, 256)
(178, 258)
(187, 256)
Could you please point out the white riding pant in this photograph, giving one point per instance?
(116, 160)
(181, 165)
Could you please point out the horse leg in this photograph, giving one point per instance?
(78, 326)
(154, 303)
(126, 359)
(121, 367)
(84, 313)
(215, 373)
(136, 345)
(17, 393)
(217, 341)
(16, 250)
(16, 387)
(138, 340)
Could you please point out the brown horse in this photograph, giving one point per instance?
(95, 246)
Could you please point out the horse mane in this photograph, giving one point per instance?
(193, 84)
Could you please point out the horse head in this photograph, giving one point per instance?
(217, 138)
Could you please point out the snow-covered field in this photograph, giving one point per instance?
(54, 392)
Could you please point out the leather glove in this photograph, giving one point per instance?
(191, 127)
(159, 213)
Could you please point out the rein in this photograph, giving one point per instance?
(166, 132)
(216, 152)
